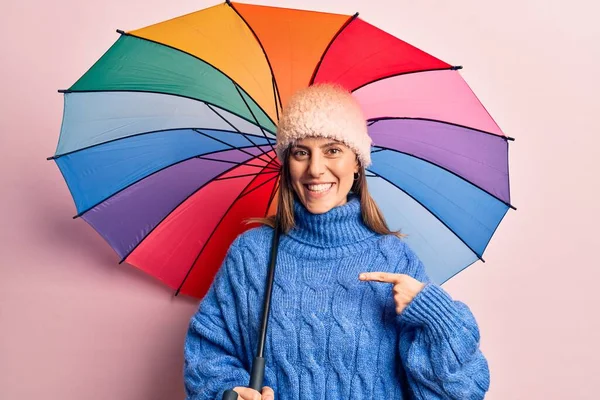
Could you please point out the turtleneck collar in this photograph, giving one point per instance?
(341, 226)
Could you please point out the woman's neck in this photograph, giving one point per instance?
(340, 226)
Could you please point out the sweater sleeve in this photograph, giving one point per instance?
(439, 344)
(212, 361)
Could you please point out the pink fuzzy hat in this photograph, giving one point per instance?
(324, 110)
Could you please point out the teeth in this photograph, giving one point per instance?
(319, 188)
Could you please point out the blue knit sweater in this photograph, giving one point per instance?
(330, 335)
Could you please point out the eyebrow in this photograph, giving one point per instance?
(322, 147)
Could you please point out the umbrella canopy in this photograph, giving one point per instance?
(167, 141)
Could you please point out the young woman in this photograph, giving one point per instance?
(353, 313)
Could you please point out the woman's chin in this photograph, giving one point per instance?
(318, 207)
(321, 205)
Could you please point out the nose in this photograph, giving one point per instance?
(316, 166)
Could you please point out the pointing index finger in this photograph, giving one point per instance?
(380, 277)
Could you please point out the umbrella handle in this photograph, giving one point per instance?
(258, 373)
(230, 395)
(256, 379)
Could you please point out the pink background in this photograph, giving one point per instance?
(75, 325)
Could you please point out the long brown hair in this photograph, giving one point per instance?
(371, 214)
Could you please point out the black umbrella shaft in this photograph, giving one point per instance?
(258, 366)
(260, 352)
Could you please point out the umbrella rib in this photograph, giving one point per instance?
(254, 116)
(275, 188)
(447, 170)
(407, 73)
(258, 186)
(235, 162)
(237, 130)
(223, 118)
(318, 66)
(438, 218)
(56, 156)
(211, 235)
(275, 86)
(373, 121)
(493, 232)
(149, 175)
(276, 98)
(244, 134)
(234, 147)
(175, 208)
(246, 175)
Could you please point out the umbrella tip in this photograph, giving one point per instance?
(120, 32)
(455, 67)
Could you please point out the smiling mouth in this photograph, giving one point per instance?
(320, 188)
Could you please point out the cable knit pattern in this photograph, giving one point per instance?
(330, 335)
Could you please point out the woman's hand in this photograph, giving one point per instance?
(405, 286)
(251, 394)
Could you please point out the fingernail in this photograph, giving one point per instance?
(362, 276)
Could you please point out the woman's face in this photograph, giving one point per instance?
(322, 173)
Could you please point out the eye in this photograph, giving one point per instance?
(333, 150)
(299, 153)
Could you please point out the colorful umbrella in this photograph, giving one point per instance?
(167, 140)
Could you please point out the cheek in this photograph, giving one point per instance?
(345, 176)
(346, 181)
(296, 172)
(345, 170)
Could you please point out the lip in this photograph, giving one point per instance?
(314, 195)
